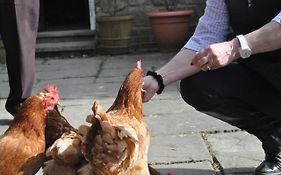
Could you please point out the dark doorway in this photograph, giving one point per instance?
(64, 14)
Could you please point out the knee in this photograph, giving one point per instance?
(198, 95)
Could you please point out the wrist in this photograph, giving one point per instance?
(234, 43)
(153, 83)
(159, 80)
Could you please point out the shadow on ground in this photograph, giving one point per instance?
(240, 171)
(183, 171)
(5, 122)
(187, 171)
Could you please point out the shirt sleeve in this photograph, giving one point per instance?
(213, 26)
(277, 18)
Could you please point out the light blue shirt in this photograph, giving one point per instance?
(213, 26)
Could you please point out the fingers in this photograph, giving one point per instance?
(200, 59)
(206, 67)
(146, 97)
(149, 88)
(203, 61)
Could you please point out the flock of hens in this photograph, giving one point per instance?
(114, 142)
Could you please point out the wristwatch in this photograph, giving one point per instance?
(244, 50)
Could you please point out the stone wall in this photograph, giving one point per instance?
(142, 37)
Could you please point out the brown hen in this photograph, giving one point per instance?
(116, 143)
(56, 126)
(22, 146)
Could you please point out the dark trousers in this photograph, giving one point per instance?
(235, 95)
(18, 28)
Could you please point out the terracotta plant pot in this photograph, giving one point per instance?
(114, 34)
(171, 29)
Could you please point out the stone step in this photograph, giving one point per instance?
(65, 35)
(65, 46)
(64, 42)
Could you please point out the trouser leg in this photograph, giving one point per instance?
(238, 96)
(18, 23)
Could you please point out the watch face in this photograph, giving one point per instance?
(245, 53)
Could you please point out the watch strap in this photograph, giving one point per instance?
(245, 50)
(243, 42)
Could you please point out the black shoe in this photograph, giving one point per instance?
(272, 149)
(13, 106)
(268, 168)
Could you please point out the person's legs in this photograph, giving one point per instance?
(19, 22)
(238, 96)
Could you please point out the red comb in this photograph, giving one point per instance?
(51, 89)
(169, 173)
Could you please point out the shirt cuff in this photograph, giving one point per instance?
(277, 18)
(193, 46)
(196, 43)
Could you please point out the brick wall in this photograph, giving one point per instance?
(142, 36)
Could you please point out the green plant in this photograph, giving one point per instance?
(170, 5)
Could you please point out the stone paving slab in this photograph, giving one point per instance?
(184, 123)
(85, 90)
(111, 79)
(4, 89)
(198, 168)
(85, 65)
(148, 60)
(5, 118)
(62, 84)
(68, 72)
(237, 152)
(3, 76)
(76, 115)
(174, 148)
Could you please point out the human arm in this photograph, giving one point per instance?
(177, 68)
(264, 39)
(267, 38)
(212, 27)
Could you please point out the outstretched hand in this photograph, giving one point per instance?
(150, 87)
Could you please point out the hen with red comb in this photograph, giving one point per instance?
(22, 146)
(52, 97)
